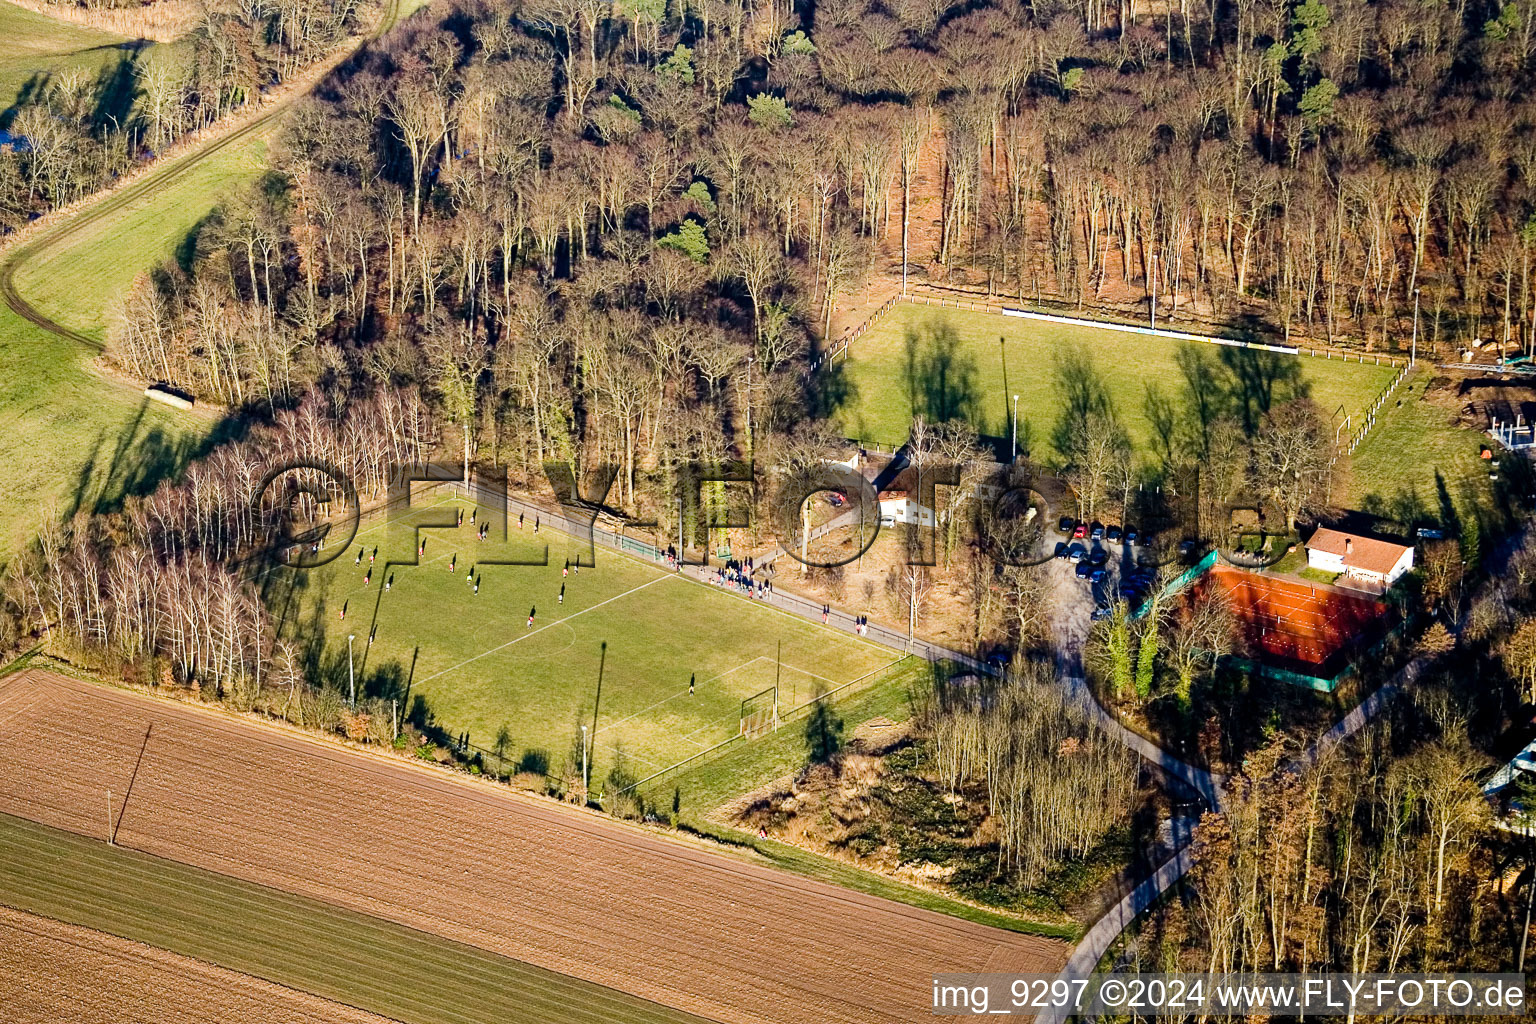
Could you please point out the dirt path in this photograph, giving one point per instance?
(53, 973)
(59, 226)
(561, 888)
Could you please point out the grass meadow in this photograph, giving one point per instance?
(38, 48)
(945, 363)
(469, 662)
(300, 943)
(74, 437)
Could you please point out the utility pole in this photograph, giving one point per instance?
(778, 671)
(466, 459)
(1530, 897)
(805, 533)
(1015, 430)
(351, 678)
(583, 764)
(111, 839)
(1413, 359)
(1153, 273)
(911, 604)
(394, 718)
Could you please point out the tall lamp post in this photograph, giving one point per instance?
(1015, 428)
(351, 679)
(1153, 272)
(583, 764)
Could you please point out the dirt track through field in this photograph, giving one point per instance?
(553, 886)
(53, 973)
(154, 179)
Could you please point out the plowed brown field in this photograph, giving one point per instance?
(52, 973)
(549, 885)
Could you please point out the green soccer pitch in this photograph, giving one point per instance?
(946, 363)
(479, 667)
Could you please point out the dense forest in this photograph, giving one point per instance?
(73, 133)
(597, 233)
(572, 172)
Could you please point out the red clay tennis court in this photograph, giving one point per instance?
(1295, 621)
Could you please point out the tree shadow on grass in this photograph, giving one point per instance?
(138, 458)
(938, 376)
(117, 87)
(830, 390)
(1258, 381)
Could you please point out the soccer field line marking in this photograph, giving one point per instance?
(550, 625)
(630, 753)
(813, 675)
(399, 565)
(690, 736)
(682, 692)
(268, 570)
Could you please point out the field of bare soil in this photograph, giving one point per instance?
(553, 886)
(53, 973)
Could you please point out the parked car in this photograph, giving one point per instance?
(1080, 531)
(1112, 534)
(1065, 524)
(1188, 548)
(1098, 557)
(1098, 574)
(1131, 536)
(1061, 549)
(1101, 612)
(1098, 531)
(1084, 570)
(1076, 553)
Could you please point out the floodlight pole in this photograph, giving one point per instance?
(1015, 430)
(583, 764)
(1154, 290)
(351, 678)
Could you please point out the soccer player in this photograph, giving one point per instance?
(359, 560)
(531, 612)
(691, 677)
(453, 561)
(562, 593)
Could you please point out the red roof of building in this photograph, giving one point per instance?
(1367, 554)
